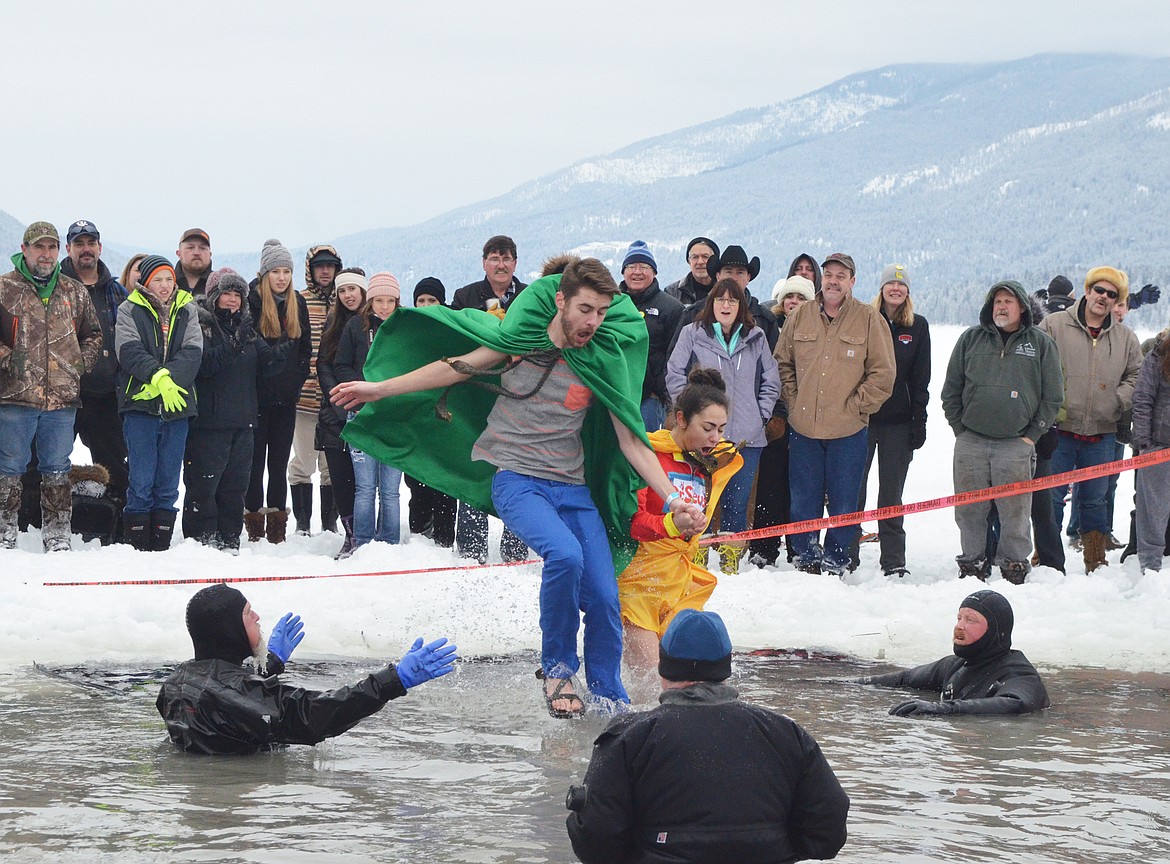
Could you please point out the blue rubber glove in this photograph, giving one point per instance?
(286, 636)
(424, 662)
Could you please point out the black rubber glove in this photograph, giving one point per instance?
(920, 708)
(917, 435)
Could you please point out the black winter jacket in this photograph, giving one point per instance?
(1005, 683)
(353, 348)
(687, 291)
(330, 418)
(907, 403)
(107, 295)
(661, 313)
(284, 387)
(228, 373)
(217, 707)
(705, 777)
(477, 294)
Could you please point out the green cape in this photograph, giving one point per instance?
(405, 432)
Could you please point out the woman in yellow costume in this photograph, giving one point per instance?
(663, 577)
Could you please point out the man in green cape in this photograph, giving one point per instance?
(532, 445)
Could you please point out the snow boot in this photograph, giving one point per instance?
(1014, 571)
(980, 568)
(328, 510)
(56, 511)
(10, 494)
(349, 544)
(729, 555)
(254, 522)
(137, 529)
(302, 506)
(1093, 547)
(1131, 546)
(162, 529)
(275, 525)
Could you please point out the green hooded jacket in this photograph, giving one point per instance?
(405, 432)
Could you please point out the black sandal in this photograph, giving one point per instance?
(558, 694)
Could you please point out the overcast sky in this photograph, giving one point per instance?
(307, 121)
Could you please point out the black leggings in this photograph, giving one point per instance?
(341, 476)
(273, 436)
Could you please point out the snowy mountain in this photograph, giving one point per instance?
(968, 173)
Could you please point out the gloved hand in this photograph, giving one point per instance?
(775, 428)
(172, 394)
(148, 392)
(424, 662)
(920, 708)
(1146, 295)
(286, 636)
(917, 435)
(8, 323)
(245, 332)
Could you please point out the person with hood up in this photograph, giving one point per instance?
(661, 313)
(279, 313)
(726, 336)
(664, 578)
(704, 776)
(216, 705)
(220, 439)
(984, 676)
(159, 346)
(1002, 391)
(322, 264)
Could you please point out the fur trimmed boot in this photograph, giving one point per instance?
(254, 523)
(10, 494)
(1093, 546)
(56, 511)
(275, 525)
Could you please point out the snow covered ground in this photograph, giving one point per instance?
(1115, 618)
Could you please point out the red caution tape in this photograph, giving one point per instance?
(1006, 491)
(211, 580)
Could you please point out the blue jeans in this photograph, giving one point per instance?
(739, 490)
(156, 449)
(820, 467)
(371, 479)
(653, 413)
(52, 430)
(1090, 497)
(561, 524)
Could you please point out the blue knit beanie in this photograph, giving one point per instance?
(695, 647)
(639, 253)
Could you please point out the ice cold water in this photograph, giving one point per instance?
(470, 769)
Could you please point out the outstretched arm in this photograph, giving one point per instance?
(351, 394)
(688, 518)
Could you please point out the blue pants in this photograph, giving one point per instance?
(156, 449)
(1090, 496)
(653, 413)
(820, 467)
(739, 490)
(52, 430)
(371, 479)
(561, 523)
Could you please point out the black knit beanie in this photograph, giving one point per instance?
(215, 620)
(430, 285)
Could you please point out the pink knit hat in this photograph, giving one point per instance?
(383, 285)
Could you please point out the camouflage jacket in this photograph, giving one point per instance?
(53, 344)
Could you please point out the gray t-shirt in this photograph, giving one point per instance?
(539, 436)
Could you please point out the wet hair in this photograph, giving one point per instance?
(587, 273)
(134, 261)
(338, 317)
(705, 387)
(499, 245)
(270, 324)
(903, 315)
(724, 288)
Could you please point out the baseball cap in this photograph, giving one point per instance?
(82, 228)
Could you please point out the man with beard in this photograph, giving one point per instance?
(49, 337)
(985, 675)
(194, 254)
(98, 422)
(1002, 391)
(541, 446)
(215, 704)
(493, 293)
